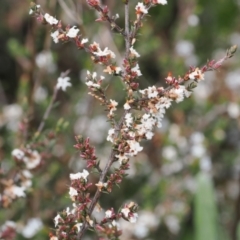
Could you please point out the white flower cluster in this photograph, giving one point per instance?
(71, 33)
(132, 217)
(136, 70)
(12, 191)
(31, 158)
(58, 219)
(102, 53)
(92, 80)
(141, 8)
(79, 175)
(76, 176)
(50, 19)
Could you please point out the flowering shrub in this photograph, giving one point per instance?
(131, 123)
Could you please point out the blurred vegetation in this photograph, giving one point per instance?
(186, 181)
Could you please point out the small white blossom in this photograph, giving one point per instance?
(84, 40)
(32, 159)
(92, 84)
(121, 158)
(63, 83)
(56, 220)
(134, 52)
(128, 119)
(94, 75)
(151, 92)
(125, 211)
(108, 213)
(55, 35)
(72, 32)
(19, 154)
(178, 93)
(126, 106)
(50, 19)
(133, 217)
(118, 70)
(164, 102)
(112, 106)
(72, 192)
(141, 8)
(78, 226)
(163, 2)
(111, 135)
(105, 52)
(136, 69)
(79, 175)
(135, 147)
(196, 75)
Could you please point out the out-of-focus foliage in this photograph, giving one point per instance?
(200, 136)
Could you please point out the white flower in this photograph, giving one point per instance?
(94, 75)
(92, 84)
(125, 212)
(55, 35)
(50, 19)
(196, 74)
(17, 153)
(141, 8)
(108, 213)
(134, 52)
(135, 147)
(110, 136)
(150, 91)
(72, 32)
(34, 225)
(126, 106)
(177, 93)
(136, 70)
(56, 220)
(164, 102)
(72, 192)
(133, 217)
(79, 175)
(121, 158)
(187, 93)
(15, 191)
(128, 119)
(78, 226)
(105, 52)
(84, 40)
(63, 83)
(233, 110)
(163, 2)
(112, 106)
(32, 159)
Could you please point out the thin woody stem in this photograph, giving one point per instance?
(47, 112)
(50, 106)
(101, 179)
(127, 33)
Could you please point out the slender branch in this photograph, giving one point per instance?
(48, 110)
(101, 179)
(127, 34)
(50, 106)
(112, 22)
